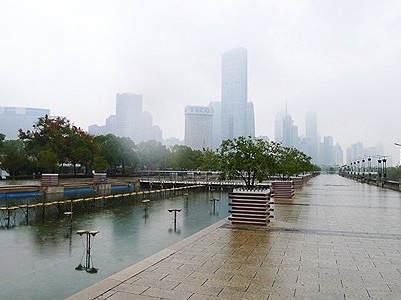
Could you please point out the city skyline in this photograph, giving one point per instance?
(338, 59)
(202, 126)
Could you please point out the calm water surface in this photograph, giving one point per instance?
(38, 261)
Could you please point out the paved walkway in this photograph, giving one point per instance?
(337, 239)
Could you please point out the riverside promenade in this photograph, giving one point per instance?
(336, 239)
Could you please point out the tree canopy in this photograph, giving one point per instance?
(253, 160)
(53, 142)
(69, 144)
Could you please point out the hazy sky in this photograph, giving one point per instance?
(339, 58)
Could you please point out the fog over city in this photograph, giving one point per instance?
(340, 59)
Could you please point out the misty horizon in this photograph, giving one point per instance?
(340, 60)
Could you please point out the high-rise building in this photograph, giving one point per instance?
(328, 157)
(234, 93)
(129, 116)
(339, 155)
(312, 140)
(285, 131)
(250, 120)
(110, 127)
(150, 131)
(216, 124)
(198, 127)
(14, 118)
(130, 121)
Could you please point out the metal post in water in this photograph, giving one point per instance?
(88, 235)
(146, 202)
(175, 210)
(213, 200)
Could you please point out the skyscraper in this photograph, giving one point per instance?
(129, 116)
(285, 130)
(234, 120)
(216, 124)
(250, 120)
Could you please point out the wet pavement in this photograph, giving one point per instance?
(336, 239)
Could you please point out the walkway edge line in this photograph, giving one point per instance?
(116, 279)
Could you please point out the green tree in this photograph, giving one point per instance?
(100, 164)
(394, 173)
(47, 161)
(2, 137)
(117, 152)
(82, 149)
(184, 158)
(153, 155)
(209, 160)
(246, 158)
(69, 143)
(14, 158)
(291, 162)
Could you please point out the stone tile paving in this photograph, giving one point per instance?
(337, 239)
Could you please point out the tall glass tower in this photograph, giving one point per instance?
(234, 96)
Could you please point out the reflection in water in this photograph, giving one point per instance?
(43, 255)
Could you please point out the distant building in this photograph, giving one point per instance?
(357, 152)
(339, 155)
(250, 120)
(285, 131)
(172, 141)
(312, 139)
(149, 131)
(328, 157)
(14, 118)
(198, 127)
(235, 112)
(216, 124)
(109, 128)
(129, 116)
(129, 121)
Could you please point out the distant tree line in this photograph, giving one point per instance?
(54, 143)
(394, 173)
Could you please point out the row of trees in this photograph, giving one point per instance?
(54, 142)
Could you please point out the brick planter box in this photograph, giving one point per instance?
(250, 207)
(283, 189)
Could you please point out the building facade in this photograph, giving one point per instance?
(14, 118)
(312, 139)
(198, 127)
(216, 124)
(129, 116)
(234, 96)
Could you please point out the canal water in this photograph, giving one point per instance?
(38, 261)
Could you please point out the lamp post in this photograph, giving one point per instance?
(384, 168)
(379, 166)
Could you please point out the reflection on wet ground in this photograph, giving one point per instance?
(337, 239)
(38, 261)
